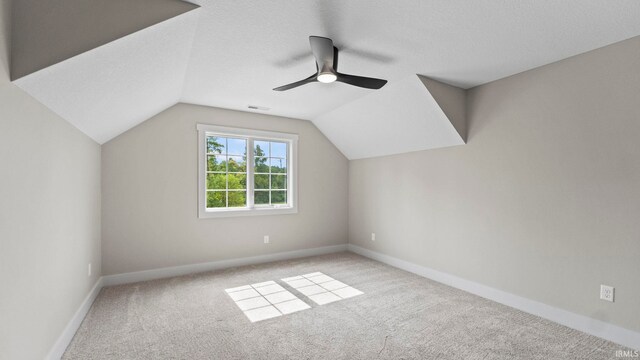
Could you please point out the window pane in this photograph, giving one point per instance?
(261, 148)
(216, 181)
(216, 199)
(261, 197)
(261, 165)
(237, 198)
(236, 146)
(278, 181)
(278, 149)
(261, 181)
(216, 163)
(227, 171)
(278, 165)
(237, 181)
(216, 145)
(237, 164)
(278, 197)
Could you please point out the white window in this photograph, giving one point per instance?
(245, 172)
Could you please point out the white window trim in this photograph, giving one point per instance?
(292, 180)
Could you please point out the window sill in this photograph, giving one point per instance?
(207, 214)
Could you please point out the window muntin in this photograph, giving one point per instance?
(245, 172)
(270, 172)
(226, 172)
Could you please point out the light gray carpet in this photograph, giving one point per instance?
(400, 316)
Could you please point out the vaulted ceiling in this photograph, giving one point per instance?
(107, 65)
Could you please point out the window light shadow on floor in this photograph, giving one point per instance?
(320, 288)
(267, 299)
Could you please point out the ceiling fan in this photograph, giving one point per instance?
(327, 68)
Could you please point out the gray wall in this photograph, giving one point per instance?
(543, 201)
(149, 189)
(49, 218)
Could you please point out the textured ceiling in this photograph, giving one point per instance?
(231, 53)
(401, 117)
(47, 32)
(108, 90)
(245, 48)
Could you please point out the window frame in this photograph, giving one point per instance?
(250, 135)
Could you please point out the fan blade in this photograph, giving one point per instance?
(361, 81)
(310, 79)
(322, 49)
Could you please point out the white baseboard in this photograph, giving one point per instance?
(70, 330)
(582, 323)
(137, 276)
(579, 322)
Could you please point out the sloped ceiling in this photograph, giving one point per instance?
(401, 117)
(47, 32)
(245, 48)
(110, 89)
(231, 53)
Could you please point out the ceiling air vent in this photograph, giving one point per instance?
(255, 107)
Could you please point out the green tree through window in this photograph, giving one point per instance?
(270, 172)
(226, 172)
(245, 172)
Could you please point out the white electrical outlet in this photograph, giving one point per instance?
(607, 293)
(373, 236)
(266, 239)
(89, 270)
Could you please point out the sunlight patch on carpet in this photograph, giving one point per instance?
(265, 300)
(320, 288)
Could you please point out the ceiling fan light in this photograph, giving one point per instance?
(327, 78)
